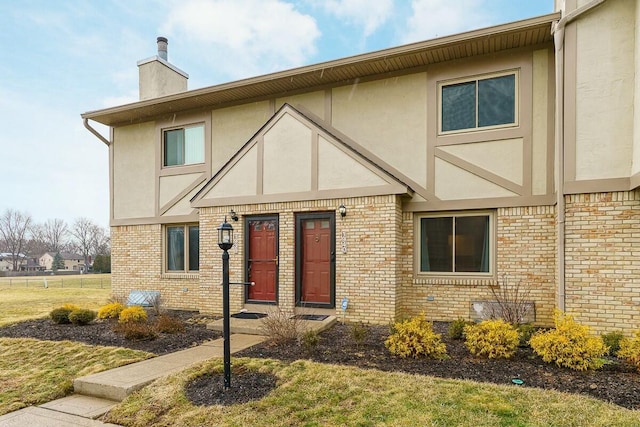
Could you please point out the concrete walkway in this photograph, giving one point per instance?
(98, 393)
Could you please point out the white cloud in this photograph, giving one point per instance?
(244, 38)
(365, 13)
(437, 18)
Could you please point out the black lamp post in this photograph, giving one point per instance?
(225, 241)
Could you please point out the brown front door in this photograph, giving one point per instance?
(315, 259)
(262, 260)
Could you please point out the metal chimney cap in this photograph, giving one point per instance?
(162, 48)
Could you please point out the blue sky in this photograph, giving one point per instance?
(61, 58)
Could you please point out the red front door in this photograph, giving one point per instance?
(315, 255)
(262, 262)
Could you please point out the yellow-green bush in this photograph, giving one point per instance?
(415, 338)
(135, 313)
(82, 316)
(570, 345)
(630, 349)
(60, 315)
(492, 338)
(110, 311)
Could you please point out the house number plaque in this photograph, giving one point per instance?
(344, 242)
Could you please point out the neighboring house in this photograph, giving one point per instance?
(32, 264)
(72, 262)
(6, 261)
(510, 153)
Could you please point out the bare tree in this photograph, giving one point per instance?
(14, 228)
(55, 234)
(83, 230)
(102, 242)
(87, 237)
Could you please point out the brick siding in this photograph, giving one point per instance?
(525, 254)
(601, 251)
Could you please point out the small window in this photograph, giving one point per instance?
(183, 248)
(455, 244)
(478, 104)
(184, 146)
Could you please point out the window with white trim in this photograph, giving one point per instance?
(460, 244)
(182, 248)
(183, 146)
(478, 104)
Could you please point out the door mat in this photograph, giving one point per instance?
(248, 315)
(318, 317)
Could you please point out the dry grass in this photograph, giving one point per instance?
(313, 394)
(33, 372)
(17, 304)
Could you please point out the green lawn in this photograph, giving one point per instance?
(33, 372)
(314, 394)
(19, 303)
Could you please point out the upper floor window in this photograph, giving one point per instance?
(455, 243)
(184, 146)
(479, 104)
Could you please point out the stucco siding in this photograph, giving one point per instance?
(387, 117)
(312, 101)
(232, 127)
(605, 91)
(134, 171)
(287, 157)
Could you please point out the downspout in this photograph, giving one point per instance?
(95, 132)
(557, 30)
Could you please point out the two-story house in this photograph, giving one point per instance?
(406, 180)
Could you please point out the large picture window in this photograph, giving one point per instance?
(479, 103)
(183, 146)
(183, 248)
(455, 244)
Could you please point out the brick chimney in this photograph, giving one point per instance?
(157, 77)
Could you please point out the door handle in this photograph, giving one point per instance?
(276, 260)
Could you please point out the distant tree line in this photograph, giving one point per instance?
(21, 237)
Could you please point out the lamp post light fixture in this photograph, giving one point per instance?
(225, 241)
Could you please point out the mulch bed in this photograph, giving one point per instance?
(616, 382)
(102, 333)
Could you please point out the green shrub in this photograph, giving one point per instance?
(570, 345)
(612, 340)
(492, 338)
(136, 330)
(630, 349)
(310, 340)
(169, 324)
(60, 315)
(525, 331)
(110, 311)
(135, 313)
(456, 328)
(414, 338)
(359, 333)
(82, 316)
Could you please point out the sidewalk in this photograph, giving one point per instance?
(98, 393)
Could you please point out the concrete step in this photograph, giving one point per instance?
(254, 326)
(83, 406)
(116, 384)
(35, 416)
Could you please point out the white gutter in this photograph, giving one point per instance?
(557, 29)
(95, 132)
